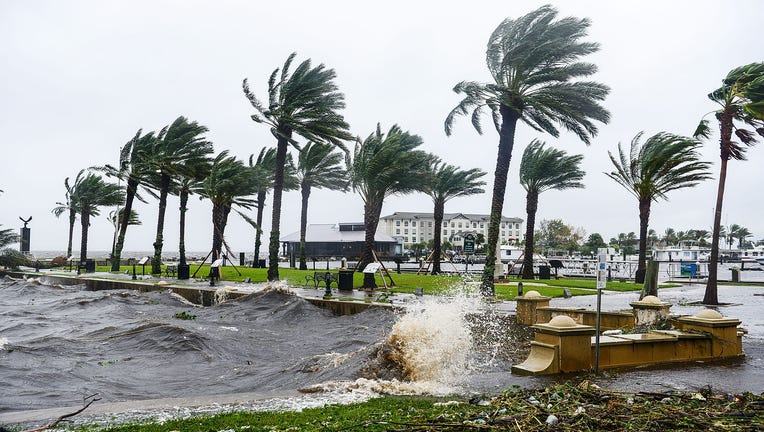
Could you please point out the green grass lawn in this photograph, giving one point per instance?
(409, 282)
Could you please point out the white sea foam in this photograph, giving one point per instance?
(4, 343)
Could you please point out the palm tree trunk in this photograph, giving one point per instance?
(644, 220)
(260, 206)
(531, 207)
(506, 141)
(711, 296)
(72, 218)
(217, 233)
(132, 188)
(437, 215)
(278, 189)
(371, 212)
(156, 263)
(85, 224)
(182, 234)
(304, 224)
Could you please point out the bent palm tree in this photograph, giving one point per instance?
(178, 148)
(229, 183)
(384, 165)
(533, 61)
(90, 193)
(304, 102)
(445, 182)
(741, 101)
(7, 237)
(543, 169)
(69, 206)
(132, 169)
(265, 165)
(115, 216)
(317, 167)
(184, 186)
(665, 162)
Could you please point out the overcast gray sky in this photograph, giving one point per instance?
(79, 78)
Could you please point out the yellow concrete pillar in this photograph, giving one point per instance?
(650, 311)
(574, 342)
(725, 338)
(526, 307)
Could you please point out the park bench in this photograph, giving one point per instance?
(321, 278)
(171, 270)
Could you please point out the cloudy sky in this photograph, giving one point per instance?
(79, 78)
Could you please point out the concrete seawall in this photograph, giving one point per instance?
(203, 296)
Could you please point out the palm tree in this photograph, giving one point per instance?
(115, 216)
(543, 169)
(69, 206)
(384, 165)
(229, 183)
(265, 164)
(133, 171)
(184, 185)
(318, 167)
(7, 237)
(741, 101)
(732, 234)
(90, 193)
(665, 162)
(306, 103)
(179, 147)
(444, 183)
(742, 236)
(533, 61)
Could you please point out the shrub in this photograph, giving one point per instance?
(13, 259)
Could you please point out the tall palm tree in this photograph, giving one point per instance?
(179, 147)
(318, 167)
(132, 170)
(229, 183)
(184, 185)
(534, 61)
(542, 169)
(741, 104)
(69, 206)
(384, 165)
(306, 103)
(444, 183)
(265, 164)
(665, 162)
(91, 193)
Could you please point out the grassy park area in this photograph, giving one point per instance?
(409, 282)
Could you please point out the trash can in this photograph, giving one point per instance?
(261, 263)
(735, 275)
(88, 266)
(345, 281)
(545, 272)
(183, 271)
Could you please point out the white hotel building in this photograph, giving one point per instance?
(411, 227)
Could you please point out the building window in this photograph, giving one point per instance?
(429, 224)
(517, 226)
(397, 230)
(482, 225)
(421, 224)
(397, 223)
(460, 224)
(406, 231)
(453, 225)
(405, 223)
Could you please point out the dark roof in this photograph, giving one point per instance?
(332, 233)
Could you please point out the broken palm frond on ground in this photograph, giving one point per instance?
(86, 402)
(565, 407)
